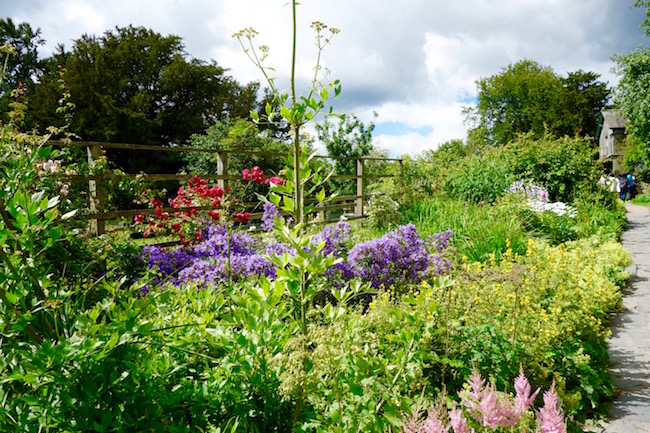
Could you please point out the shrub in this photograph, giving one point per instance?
(478, 178)
(549, 310)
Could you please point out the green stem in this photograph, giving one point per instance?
(295, 125)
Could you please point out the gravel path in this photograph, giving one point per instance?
(629, 345)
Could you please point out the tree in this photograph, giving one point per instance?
(349, 139)
(134, 85)
(517, 100)
(632, 95)
(583, 99)
(23, 65)
(239, 135)
(527, 97)
(646, 21)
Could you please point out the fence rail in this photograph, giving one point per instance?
(97, 191)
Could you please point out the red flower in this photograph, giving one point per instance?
(138, 218)
(176, 227)
(241, 217)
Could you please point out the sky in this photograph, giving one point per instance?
(413, 63)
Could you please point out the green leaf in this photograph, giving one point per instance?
(393, 419)
(113, 341)
(11, 298)
(288, 203)
(44, 151)
(286, 113)
(320, 197)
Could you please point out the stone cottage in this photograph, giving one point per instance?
(611, 137)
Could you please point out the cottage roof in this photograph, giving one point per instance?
(614, 119)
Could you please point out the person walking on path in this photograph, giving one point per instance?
(622, 180)
(629, 345)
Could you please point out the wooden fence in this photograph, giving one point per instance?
(354, 204)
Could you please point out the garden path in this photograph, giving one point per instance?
(629, 345)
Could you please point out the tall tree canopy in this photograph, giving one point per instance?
(528, 97)
(134, 85)
(23, 65)
(349, 139)
(632, 95)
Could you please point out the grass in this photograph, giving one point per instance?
(479, 230)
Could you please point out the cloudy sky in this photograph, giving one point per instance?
(413, 62)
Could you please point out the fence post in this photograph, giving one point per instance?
(96, 193)
(401, 173)
(358, 210)
(222, 169)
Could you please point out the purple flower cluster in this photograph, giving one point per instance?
(206, 263)
(398, 257)
(271, 212)
(335, 238)
(440, 240)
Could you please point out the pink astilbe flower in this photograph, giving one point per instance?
(486, 405)
(432, 423)
(550, 418)
(457, 421)
(524, 398)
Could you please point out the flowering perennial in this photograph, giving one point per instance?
(489, 408)
(399, 257)
(538, 199)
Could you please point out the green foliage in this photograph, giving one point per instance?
(547, 310)
(527, 97)
(348, 140)
(479, 179)
(383, 212)
(563, 165)
(479, 231)
(633, 97)
(583, 99)
(646, 21)
(238, 135)
(519, 99)
(23, 66)
(150, 94)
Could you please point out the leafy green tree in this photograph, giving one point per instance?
(528, 97)
(348, 140)
(237, 135)
(23, 66)
(583, 99)
(517, 100)
(632, 95)
(134, 85)
(646, 22)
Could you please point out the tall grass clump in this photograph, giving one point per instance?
(479, 230)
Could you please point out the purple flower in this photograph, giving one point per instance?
(335, 238)
(397, 257)
(271, 212)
